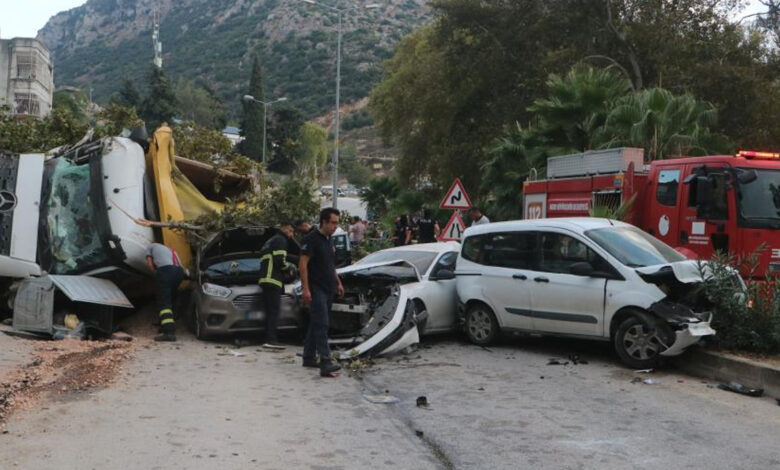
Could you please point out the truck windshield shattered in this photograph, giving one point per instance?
(70, 241)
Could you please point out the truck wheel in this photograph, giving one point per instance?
(481, 325)
(639, 341)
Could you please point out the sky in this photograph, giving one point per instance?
(23, 18)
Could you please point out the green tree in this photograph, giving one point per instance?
(664, 124)
(128, 95)
(75, 102)
(313, 150)
(199, 104)
(511, 160)
(27, 134)
(254, 114)
(160, 104)
(577, 107)
(284, 137)
(112, 119)
(379, 194)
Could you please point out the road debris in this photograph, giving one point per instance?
(381, 398)
(73, 366)
(422, 402)
(637, 380)
(556, 362)
(644, 371)
(741, 389)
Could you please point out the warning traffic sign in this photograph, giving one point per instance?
(454, 229)
(456, 197)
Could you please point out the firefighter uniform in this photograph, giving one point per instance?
(168, 274)
(273, 265)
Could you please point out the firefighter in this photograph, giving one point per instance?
(168, 274)
(273, 267)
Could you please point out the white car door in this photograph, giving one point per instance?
(503, 261)
(439, 295)
(563, 302)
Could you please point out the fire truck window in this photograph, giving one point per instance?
(515, 250)
(720, 207)
(668, 182)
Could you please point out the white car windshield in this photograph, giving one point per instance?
(633, 247)
(420, 259)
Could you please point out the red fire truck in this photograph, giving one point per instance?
(698, 205)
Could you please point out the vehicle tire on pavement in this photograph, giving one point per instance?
(195, 323)
(640, 339)
(481, 325)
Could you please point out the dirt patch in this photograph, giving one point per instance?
(62, 370)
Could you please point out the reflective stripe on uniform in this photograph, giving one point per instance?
(268, 279)
(166, 316)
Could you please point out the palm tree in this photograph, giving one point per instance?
(510, 162)
(664, 124)
(577, 107)
(379, 194)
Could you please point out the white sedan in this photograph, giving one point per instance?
(392, 297)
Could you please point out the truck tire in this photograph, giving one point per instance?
(481, 325)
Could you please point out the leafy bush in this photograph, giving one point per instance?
(748, 324)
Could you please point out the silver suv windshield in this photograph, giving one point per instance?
(633, 247)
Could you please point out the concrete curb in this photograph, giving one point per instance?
(729, 368)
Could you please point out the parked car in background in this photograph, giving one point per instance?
(227, 298)
(392, 297)
(581, 277)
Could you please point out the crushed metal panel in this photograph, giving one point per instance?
(34, 306)
(91, 290)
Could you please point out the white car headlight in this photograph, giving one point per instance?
(215, 290)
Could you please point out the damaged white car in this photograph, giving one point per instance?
(392, 297)
(582, 277)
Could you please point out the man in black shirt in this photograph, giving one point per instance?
(320, 282)
(428, 228)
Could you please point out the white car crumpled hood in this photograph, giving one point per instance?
(686, 271)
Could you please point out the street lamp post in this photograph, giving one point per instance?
(337, 143)
(265, 104)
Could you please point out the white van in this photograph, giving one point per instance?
(581, 277)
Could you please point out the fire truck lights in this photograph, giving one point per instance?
(760, 155)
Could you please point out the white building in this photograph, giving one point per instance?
(233, 134)
(26, 76)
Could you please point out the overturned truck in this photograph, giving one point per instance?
(68, 220)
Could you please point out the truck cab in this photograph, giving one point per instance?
(65, 213)
(717, 204)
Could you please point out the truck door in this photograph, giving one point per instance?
(664, 209)
(705, 232)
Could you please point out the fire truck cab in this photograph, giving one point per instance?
(699, 205)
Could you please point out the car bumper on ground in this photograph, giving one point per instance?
(688, 335)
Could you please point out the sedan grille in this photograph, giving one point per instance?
(248, 302)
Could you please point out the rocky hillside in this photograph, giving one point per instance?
(212, 41)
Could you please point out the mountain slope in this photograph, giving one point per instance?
(103, 42)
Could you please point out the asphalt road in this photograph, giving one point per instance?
(195, 405)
